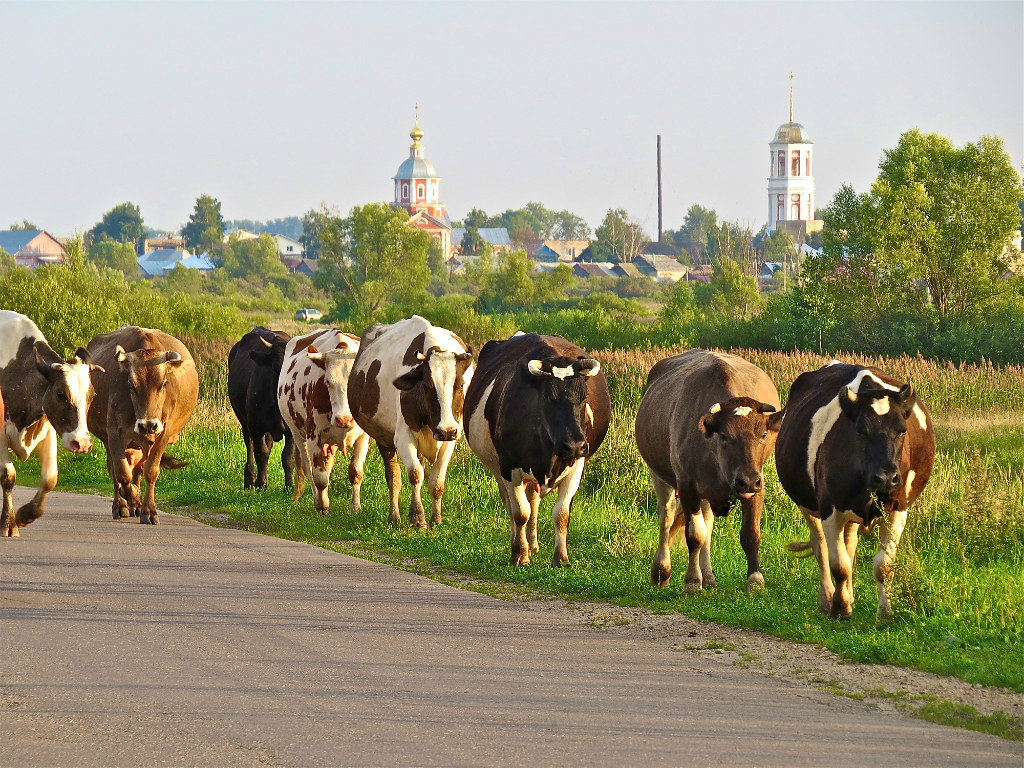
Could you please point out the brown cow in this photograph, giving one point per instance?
(706, 425)
(142, 403)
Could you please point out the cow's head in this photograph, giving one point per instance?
(149, 373)
(68, 394)
(879, 417)
(437, 384)
(741, 432)
(337, 367)
(562, 382)
(269, 355)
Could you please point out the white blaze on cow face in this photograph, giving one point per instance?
(880, 405)
(338, 367)
(826, 417)
(78, 390)
(442, 369)
(561, 373)
(743, 410)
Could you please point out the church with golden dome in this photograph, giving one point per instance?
(418, 191)
(791, 182)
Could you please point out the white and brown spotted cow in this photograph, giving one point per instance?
(44, 396)
(407, 391)
(312, 392)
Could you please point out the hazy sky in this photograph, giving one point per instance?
(274, 108)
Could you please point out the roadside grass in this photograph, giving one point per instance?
(958, 585)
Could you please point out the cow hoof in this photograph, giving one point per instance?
(708, 580)
(660, 575)
(755, 581)
(692, 587)
(559, 562)
(883, 615)
(517, 560)
(12, 532)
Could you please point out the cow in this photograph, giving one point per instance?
(706, 425)
(313, 395)
(537, 410)
(45, 396)
(143, 401)
(254, 367)
(407, 390)
(856, 447)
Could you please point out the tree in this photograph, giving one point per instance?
(729, 241)
(693, 233)
(313, 223)
(254, 258)
(731, 292)
(938, 217)
(114, 254)
(510, 286)
(372, 259)
(123, 223)
(475, 218)
(205, 228)
(435, 261)
(24, 226)
(554, 285)
(619, 238)
(569, 226)
(473, 243)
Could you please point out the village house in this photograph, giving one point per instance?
(157, 263)
(32, 247)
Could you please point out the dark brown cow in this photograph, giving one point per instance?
(706, 425)
(142, 403)
(46, 397)
(537, 409)
(857, 446)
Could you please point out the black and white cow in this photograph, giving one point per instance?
(44, 396)
(856, 446)
(406, 390)
(537, 409)
(254, 366)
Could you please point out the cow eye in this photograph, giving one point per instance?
(163, 386)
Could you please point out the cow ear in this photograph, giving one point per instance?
(407, 381)
(174, 359)
(848, 403)
(121, 356)
(83, 354)
(906, 394)
(47, 362)
(318, 358)
(766, 408)
(708, 424)
(775, 420)
(463, 356)
(261, 357)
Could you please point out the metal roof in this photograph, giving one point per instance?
(13, 240)
(416, 168)
(496, 236)
(791, 133)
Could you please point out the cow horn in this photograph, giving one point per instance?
(172, 357)
(120, 354)
(715, 408)
(906, 393)
(848, 394)
(766, 408)
(312, 354)
(420, 356)
(266, 343)
(534, 367)
(590, 367)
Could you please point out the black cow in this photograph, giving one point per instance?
(856, 446)
(537, 409)
(254, 365)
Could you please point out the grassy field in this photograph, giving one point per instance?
(958, 584)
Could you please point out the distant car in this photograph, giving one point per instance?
(308, 315)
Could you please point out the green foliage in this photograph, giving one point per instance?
(731, 293)
(23, 226)
(371, 260)
(533, 222)
(123, 223)
(473, 243)
(313, 223)
(205, 228)
(693, 233)
(7, 262)
(254, 258)
(114, 254)
(510, 286)
(619, 238)
(289, 226)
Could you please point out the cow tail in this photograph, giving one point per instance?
(169, 462)
(800, 548)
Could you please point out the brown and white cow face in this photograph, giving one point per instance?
(336, 365)
(879, 419)
(741, 434)
(68, 395)
(435, 387)
(149, 373)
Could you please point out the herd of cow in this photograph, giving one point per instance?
(853, 446)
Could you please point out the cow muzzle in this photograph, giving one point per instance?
(446, 434)
(748, 487)
(345, 422)
(572, 450)
(77, 444)
(149, 426)
(884, 483)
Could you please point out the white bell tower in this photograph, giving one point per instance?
(791, 183)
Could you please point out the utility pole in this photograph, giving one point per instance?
(659, 188)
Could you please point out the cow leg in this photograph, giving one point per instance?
(47, 451)
(263, 446)
(851, 535)
(7, 478)
(820, 550)
(560, 513)
(839, 564)
(533, 496)
(519, 517)
(355, 469)
(414, 471)
(135, 486)
(249, 473)
(707, 573)
(435, 480)
(151, 471)
(393, 475)
(750, 538)
(321, 461)
(661, 568)
(301, 464)
(888, 541)
(696, 533)
(288, 455)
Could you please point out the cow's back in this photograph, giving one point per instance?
(14, 328)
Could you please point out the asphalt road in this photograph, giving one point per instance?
(182, 644)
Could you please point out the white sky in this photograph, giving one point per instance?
(274, 108)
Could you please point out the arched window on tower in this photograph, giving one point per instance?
(420, 195)
(405, 191)
(794, 208)
(782, 162)
(780, 207)
(796, 162)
